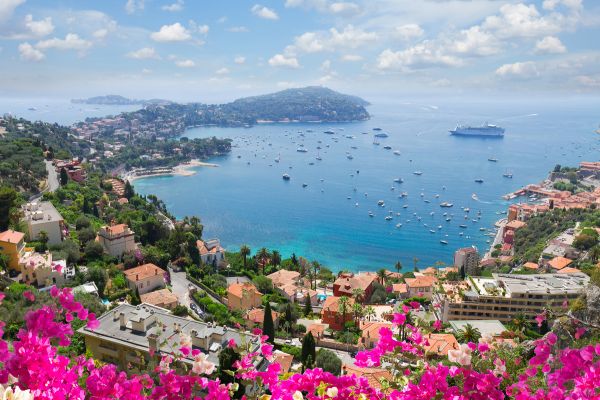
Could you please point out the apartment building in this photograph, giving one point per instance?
(12, 245)
(126, 335)
(43, 217)
(503, 296)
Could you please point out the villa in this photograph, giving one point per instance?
(347, 283)
(38, 269)
(256, 317)
(370, 332)
(162, 298)
(420, 286)
(117, 239)
(331, 313)
(243, 296)
(211, 252)
(145, 278)
(12, 245)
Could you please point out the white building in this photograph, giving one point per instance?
(211, 251)
(38, 269)
(43, 217)
(117, 239)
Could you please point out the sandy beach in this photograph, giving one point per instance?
(185, 169)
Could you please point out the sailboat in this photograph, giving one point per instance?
(507, 174)
(375, 141)
(318, 157)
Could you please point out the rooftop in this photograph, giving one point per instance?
(162, 296)
(42, 212)
(486, 327)
(283, 277)
(332, 304)
(441, 343)
(542, 283)
(420, 281)
(143, 272)
(11, 236)
(150, 320)
(347, 283)
(559, 262)
(238, 289)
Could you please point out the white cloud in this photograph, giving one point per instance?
(171, 33)
(352, 57)
(279, 60)
(409, 31)
(222, 71)
(239, 60)
(519, 70)
(332, 40)
(574, 5)
(7, 7)
(144, 53)
(222, 19)
(423, 55)
(177, 6)
(550, 45)
(30, 53)
(474, 42)
(520, 20)
(146, 71)
(72, 41)
(40, 28)
(134, 5)
(238, 29)
(264, 12)
(344, 8)
(185, 64)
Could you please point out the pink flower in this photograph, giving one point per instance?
(29, 296)
(2, 296)
(540, 318)
(54, 291)
(201, 365)
(437, 325)
(231, 344)
(399, 319)
(580, 332)
(415, 305)
(461, 355)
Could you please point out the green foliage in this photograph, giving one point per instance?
(468, 334)
(308, 350)
(180, 311)
(328, 361)
(263, 284)
(293, 350)
(99, 276)
(586, 240)
(378, 295)
(268, 325)
(93, 251)
(307, 306)
(7, 201)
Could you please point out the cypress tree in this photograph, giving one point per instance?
(268, 325)
(307, 306)
(64, 178)
(308, 353)
(288, 316)
(128, 190)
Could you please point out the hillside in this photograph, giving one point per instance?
(116, 100)
(311, 103)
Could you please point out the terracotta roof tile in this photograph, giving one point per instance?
(143, 272)
(11, 236)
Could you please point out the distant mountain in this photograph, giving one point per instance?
(313, 103)
(116, 100)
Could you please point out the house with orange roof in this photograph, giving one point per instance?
(430, 271)
(243, 296)
(117, 240)
(317, 330)
(211, 252)
(531, 266)
(284, 277)
(163, 298)
(346, 283)
(284, 360)
(369, 335)
(558, 263)
(375, 376)
(400, 289)
(145, 278)
(569, 270)
(256, 317)
(420, 286)
(12, 245)
(439, 344)
(331, 315)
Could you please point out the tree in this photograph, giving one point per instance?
(82, 222)
(416, 262)
(64, 177)
(585, 241)
(519, 323)
(275, 258)
(307, 305)
(398, 266)
(316, 267)
(468, 334)
(97, 275)
(128, 192)
(328, 361)
(7, 200)
(379, 294)
(245, 252)
(382, 275)
(289, 316)
(263, 258)
(180, 311)
(268, 325)
(263, 284)
(595, 253)
(86, 235)
(357, 310)
(93, 250)
(43, 239)
(343, 305)
(4, 260)
(95, 211)
(370, 312)
(307, 355)
(357, 294)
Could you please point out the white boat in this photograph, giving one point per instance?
(349, 157)
(301, 150)
(418, 173)
(389, 218)
(443, 242)
(397, 152)
(398, 180)
(381, 203)
(399, 225)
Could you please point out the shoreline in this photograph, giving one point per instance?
(183, 169)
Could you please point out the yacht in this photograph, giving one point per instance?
(286, 177)
(443, 241)
(446, 204)
(418, 173)
(479, 180)
(349, 156)
(301, 150)
(389, 218)
(492, 159)
(371, 214)
(304, 185)
(397, 152)
(381, 203)
(398, 180)
(387, 147)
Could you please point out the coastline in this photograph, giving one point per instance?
(183, 169)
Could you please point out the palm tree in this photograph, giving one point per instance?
(415, 262)
(358, 294)
(263, 257)
(358, 312)
(398, 266)
(245, 252)
(275, 258)
(519, 323)
(382, 275)
(468, 334)
(316, 267)
(370, 312)
(343, 304)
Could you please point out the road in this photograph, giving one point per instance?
(180, 286)
(52, 177)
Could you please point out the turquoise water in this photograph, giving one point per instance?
(251, 203)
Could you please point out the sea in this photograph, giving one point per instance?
(329, 208)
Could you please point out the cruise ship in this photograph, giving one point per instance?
(486, 130)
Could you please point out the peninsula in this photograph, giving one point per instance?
(116, 100)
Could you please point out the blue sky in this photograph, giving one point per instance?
(214, 51)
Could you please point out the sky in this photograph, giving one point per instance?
(212, 51)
